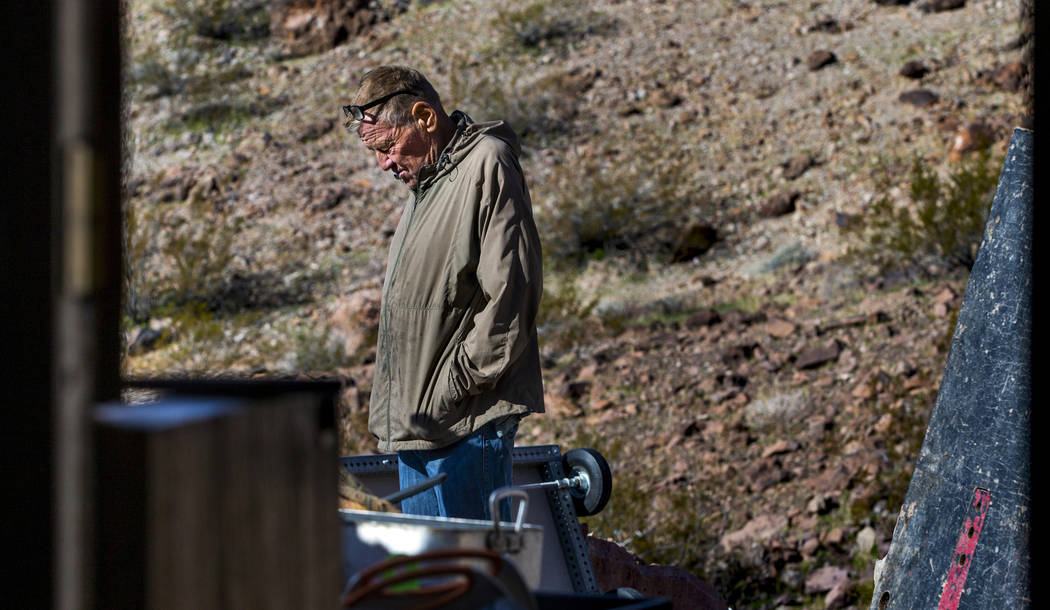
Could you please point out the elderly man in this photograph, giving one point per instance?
(457, 360)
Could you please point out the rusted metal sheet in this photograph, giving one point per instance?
(974, 466)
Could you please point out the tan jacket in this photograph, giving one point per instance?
(457, 343)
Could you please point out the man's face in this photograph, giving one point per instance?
(401, 150)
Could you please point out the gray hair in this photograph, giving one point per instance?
(388, 79)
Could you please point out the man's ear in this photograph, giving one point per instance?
(424, 116)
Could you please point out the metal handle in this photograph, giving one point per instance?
(504, 492)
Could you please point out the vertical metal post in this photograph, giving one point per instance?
(88, 136)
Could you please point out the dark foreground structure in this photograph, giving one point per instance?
(962, 536)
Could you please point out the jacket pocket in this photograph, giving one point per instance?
(446, 400)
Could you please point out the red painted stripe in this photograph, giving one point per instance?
(964, 548)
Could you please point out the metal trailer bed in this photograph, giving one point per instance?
(566, 560)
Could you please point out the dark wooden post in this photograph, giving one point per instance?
(88, 265)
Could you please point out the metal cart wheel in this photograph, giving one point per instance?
(591, 497)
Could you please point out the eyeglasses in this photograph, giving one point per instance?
(355, 114)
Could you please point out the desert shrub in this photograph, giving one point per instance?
(492, 80)
(136, 250)
(538, 108)
(543, 23)
(317, 350)
(219, 19)
(625, 200)
(193, 331)
(195, 243)
(942, 221)
(204, 51)
(224, 115)
(668, 525)
(201, 253)
(565, 317)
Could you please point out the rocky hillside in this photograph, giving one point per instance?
(699, 171)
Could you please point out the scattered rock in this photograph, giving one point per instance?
(865, 540)
(863, 390)
(578, 80)
(780, 329)
(315, 130)
(735, 354)
(970, 137)
(780, 447)
(329, 199)
(825, 579)
(813, 357)
(817, 428)
(809, 546)
(914, 69)
(798, 166)
(839, 596)
(826, 24)
(876, 317)
(704, 280)
(704, 317)
(758, 529)
(947, 295)
(754, 317)
(823, 504)
(697, 239)
(819, 59)
(937, 6)
(893, 2)
(588, 372)
(765, 473)
(1010, 77)
(575, 390)
(884, 424)
(694, 427)
(145, 339)
(780, 204)
(920, 98)
(662, 98)
(559, 405)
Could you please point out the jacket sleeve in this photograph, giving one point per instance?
(510, 277)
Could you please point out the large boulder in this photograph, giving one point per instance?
(304, 27)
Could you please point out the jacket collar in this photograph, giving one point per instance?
(428, 173)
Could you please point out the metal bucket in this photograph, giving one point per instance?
(370, 537)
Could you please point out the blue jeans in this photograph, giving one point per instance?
(476, 466)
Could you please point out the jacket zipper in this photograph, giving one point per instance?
(386, 316)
